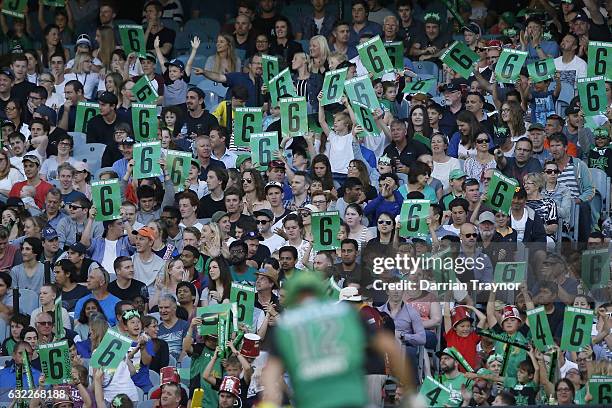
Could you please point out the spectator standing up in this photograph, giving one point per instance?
(176, 74)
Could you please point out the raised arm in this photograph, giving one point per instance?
(322, 121)
(88, 230)
(195, 44)
(213, 76)
(160, 55)
(207, 374)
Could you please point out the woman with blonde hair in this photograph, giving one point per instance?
(319, 53)
(212, 241)
(165, 284)
(546, 208)
(225, 59)
(112, 83)
(82, 72)
(105, 37)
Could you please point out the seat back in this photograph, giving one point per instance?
(28, 301)
(91, 153)
(601, 182)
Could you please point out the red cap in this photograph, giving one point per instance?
(494, 43)
(250, 345)
(510, 311)
(459, 314)
(169, 375)
(230, 384)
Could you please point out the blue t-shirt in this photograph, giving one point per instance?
(174, 336)
(371, 28)
(107, 304)
(542, 105)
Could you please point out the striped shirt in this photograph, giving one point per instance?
(568, 178)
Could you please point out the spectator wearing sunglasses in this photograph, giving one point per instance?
(560, 193)
(70, 229)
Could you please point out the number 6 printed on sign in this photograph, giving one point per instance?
(146, 160)
(263, 146)
(106, 196)
(112, 350)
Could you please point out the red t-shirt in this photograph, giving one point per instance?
(39, 197)
(465, 345)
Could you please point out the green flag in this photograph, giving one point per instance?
(435, 394)
(55, 362)
(595, 268)
(263, 146)
(280, 86)
(146, 160)
(325, 228)
(246, 122)
(365, 119)
(360, 90)
(509, 272)
(599, 56)
(395, 50)
(14, 8)
(509, 65)
(500, 192)
(244, 297)
(592, 94)
(270, 67)
(540, 329)
(144, 92)
(132, 39)
(84, 112)
(144, 122)
(294, 116)
(600, 387)
(577, 324)
(333, 86)
(106, 197)
(413, 218)
(460, 58)
(542, 70)
(374, 56)
(419, 86)
(179, 165)
(112, 350)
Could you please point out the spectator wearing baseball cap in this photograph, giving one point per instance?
(51, 248)
(176, 73)
(471, 34)
(31, 166)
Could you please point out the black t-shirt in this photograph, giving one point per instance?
(136, 288)
(84, 271)
(71, 117)
(204, 170)
(70, 298)
(409, 154)
(201, 125)
(54, 140)
(111, 155)
(21, 91)
(516, 172)
(262, 253)
(265, 25)
(98, 131)
(233, 224)
(208, 206)
(166, 35)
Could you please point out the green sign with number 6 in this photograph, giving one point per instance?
(509, 272)
(280, 86)
(144, 91)
(509, 65)
(599, 56)
(246, 122)
(600, 387)
(460, 58)
(592, 94)
(365, 119)
(106, 196)
(178, 164)
(144, 121)
(294, 116)
(244, 297)
(146, 160)
(55, 362)
(333, 86)
(577, 324)
(270, 66)
(325, 228)
(84, 112)
(395, 50)
(263, 146)
(374, 57)
(595, 268)
(500, 192)
(542, 70)
(420, 86)
(14, 8)
(413, 218)
(360, 90)
(112, 350)
(132, 39)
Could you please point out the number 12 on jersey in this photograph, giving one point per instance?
(106, 196)
(263, 146)
(325, 228)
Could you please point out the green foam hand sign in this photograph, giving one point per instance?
(112, 350)
(263, 146)
(144, 121)
(55, 362)
(325, 228)
(599, 57)
(413, 218)
(280, 86)
(178, 164)
(419, 86)
(460, 58)
(244, 297)
(132, 39)
(509, 272)
(270, 67)
(246, 122)
(146, 160)
(106, 197)
(577, 324)
(374, 56)
(294, 116)
(595, 268)
(500, 192)
(509, 65)
(84, 112)
(538, 323)
(395, 50)
(144, 92)
(592, 94)
(541, 70)
(360, 90)
(333, 86)
(14, 8)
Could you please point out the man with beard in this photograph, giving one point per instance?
(233, 205)
(522, 163)
(186, 295)
(450, 376)
(172, 329)
(241, 272)
(575, 131)
(486, 229)
(198, 120)
(348, 271)
(264, 226)
(287, 259)
(31, 167)
(66, 278)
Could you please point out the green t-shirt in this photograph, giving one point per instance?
(322, 347)
(516, 354)
(454, 385)
(248, 277)
(525, 394)
(580, 395)
(199, 360)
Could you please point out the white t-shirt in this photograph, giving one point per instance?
(110, 254)
(13, 177)
(274, 242)
(442, 170)
(339, 149)
(55, 100)
(89, 80)
(576, 68)
(519, 226)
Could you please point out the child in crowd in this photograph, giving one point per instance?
(176, 74)
(600, 155)
(460, 333)
(541, 99)
(388, 100)
(170, 118)
(17, 322)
